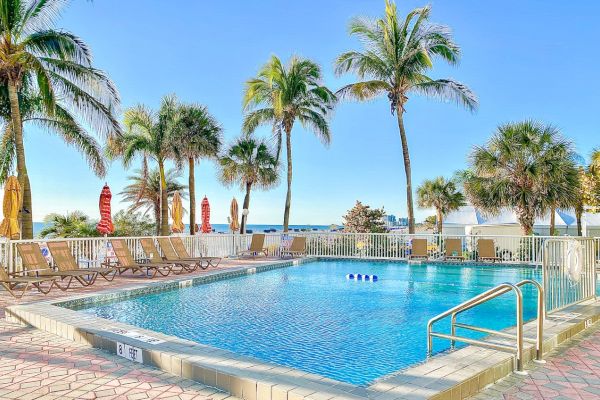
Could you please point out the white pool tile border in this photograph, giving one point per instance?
(453, 375)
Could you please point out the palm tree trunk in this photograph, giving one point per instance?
(578, 214)
(246, 207)
(406, 156)
(164, 204)
(288, 197)
(526, 219)
(26, 213)
(157, 218)
(192, 189)
(552, 221)
(439, 221)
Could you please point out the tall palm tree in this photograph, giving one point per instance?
(149, 134)
(249, 163)
(62, 122)
(59, 65)
(197, 135)
(520, 168)
(144, 191)
(442, 195)
(282, 94)
(397, 56)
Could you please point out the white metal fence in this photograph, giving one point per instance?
(569, 271)
(510, 249)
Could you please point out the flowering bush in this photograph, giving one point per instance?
(364, 219)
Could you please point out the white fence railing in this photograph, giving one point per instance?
(569, 271)
(510, 249)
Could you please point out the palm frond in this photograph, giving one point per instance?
(65, 125)
(447, 89)
(362, 91)
(256, 118)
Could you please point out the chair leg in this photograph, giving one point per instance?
(153, 274)
(17, 295)
(112, 277)
(183, 268)
(82, 281)
(40, 288)
(68, 284)
(160, 271)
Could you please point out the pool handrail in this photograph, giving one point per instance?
(540, 320)
(482, 298)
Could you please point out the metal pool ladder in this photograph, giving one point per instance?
(482, 298)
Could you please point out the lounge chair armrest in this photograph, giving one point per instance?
(19, 273)
(109, 263)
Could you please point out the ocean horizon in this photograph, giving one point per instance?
(224, 228)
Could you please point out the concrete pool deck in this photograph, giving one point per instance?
(457, 374)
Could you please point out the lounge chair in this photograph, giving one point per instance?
(63, 258)
(169, 255)
(454, 250)
(22, 283)
(296, 249)
(256, 246)
(35, 264)
(418, 249)
(486, 250)
(126, 262)
(183, 254)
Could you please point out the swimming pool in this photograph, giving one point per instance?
(311, 318)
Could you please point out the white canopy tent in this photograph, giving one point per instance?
(466, 218)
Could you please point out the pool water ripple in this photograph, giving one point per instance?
(311, 318)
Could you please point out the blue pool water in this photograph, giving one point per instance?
(311, 318)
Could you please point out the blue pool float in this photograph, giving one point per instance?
(361, 277)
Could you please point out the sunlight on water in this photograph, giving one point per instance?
(313, 319)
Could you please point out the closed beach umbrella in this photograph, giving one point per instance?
(105, 226)
(177, 213)
(13, 200)
(234, 225)
(206, 228)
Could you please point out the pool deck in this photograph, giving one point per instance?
(572, 371)
(453, 375)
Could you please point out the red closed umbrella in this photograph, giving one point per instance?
(105, 226)
(205, 207)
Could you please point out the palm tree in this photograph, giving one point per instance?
(589, 188)
(149, 134)
(62, 123)
(442, 195)
(70, 225)
(249, 163)
(144, 191)
(59, 65)
(563, 188)
(279, 96)
(198, 135)
(520, 168)
(397, 56)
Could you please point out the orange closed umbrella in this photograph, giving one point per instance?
(205, 206)
(177, 213)
(233, 211)
(105, 226)
(12, 203)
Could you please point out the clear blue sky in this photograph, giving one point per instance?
(524, 59)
